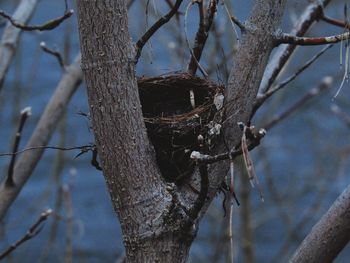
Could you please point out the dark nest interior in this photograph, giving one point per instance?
(172, 123)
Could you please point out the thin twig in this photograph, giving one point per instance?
(208, 159)
(205, 23)
(49, 25)
(25, 113)
(311, 14)
(163, 20)
(238, 23)
(233, 20)
(83, 147)
(41, 135)
(261, 98)
(200, 38)
(10, 36)
(171, 5)
(32, 232)
(325, 84)
(94, 161)
(335, 22)
(205, 74)
(54, 53)
(255, 141)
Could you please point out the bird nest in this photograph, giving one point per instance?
(177, 109)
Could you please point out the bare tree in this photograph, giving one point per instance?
(159, 220)
(160, 216)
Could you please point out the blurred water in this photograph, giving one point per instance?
(303, 151)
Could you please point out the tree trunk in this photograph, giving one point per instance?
(250, 62)
(138, 193)
(159, 221)
(249, 65)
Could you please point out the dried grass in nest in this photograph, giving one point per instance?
(173, 125)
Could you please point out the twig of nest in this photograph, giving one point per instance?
(178, 108)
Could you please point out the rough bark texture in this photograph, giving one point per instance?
(158, 222)
(249, 65)
(329, 236)
(137, 190)
(245, 77)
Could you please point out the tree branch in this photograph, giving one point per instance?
(261, 98)
(25, 113)
(312, 13)
(237, 22)
(329, 236)
(82, 148)
(335, 22)
(163, 20)
(207, 159)
(205, 23)
(205, 74)
(49, 25)
(32, 232)
(256, 138)
(54, 53)
(250, 64)
(12, 34)
(42, 134)
(325, 84)
(310, 41)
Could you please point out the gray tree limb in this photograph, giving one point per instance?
(313, 12)
(329, 236)
(41, 135)
(12, 34)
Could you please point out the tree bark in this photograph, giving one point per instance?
(254, 51)
(329, 236)
(158, 221)
(249, 65)
(139, 194)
